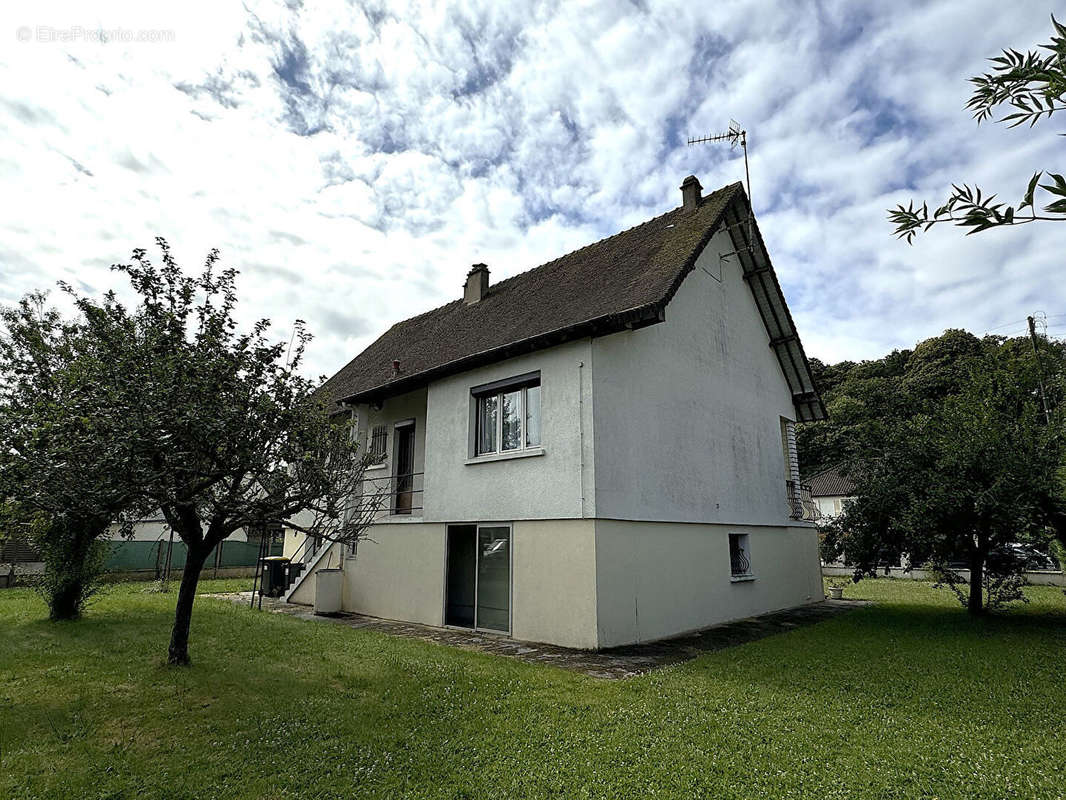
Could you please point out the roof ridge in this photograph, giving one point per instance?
(616, 235)
(566, 255)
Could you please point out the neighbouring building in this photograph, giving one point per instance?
(830, 490)
(596, 452)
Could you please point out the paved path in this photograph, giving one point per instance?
(617, 662)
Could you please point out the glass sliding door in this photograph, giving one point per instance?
(478, 580)
(494, 578)
(462, 576)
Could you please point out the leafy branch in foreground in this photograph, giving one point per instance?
(1034, 85)
(970, 208)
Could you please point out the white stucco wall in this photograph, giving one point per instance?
(554, 582)
(548, 486)
(398, 574)
(688, 411)
(660, 579)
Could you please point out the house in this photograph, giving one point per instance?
(596, 452)
(830, 490)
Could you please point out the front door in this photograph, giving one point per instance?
(479, 577)
(404, 468)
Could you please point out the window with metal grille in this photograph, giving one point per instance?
(379, 438)
(739, 557)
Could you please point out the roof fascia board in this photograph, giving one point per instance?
(761, 278)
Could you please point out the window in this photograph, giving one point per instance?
(507, 416)
(378, 442)
(789, 449)
(739, 556)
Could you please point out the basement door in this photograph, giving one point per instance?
(478, 569)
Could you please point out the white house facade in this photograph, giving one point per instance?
(830, 490)
(594, 453)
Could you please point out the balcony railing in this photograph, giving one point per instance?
(800, 503)
(392, 494)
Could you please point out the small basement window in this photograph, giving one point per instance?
(739, 556)
(378, 443)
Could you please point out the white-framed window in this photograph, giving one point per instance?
(507, 415)
(379, 439)
(739, 556)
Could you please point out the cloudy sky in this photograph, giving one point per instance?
(353, 159)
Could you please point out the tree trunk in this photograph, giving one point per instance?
(975, 603)
(73, 574)
(178, 652)
(65, 602)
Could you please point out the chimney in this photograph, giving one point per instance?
(477, 284)
(691, 191)
(396, 368)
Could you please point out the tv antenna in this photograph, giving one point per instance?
(735, 136)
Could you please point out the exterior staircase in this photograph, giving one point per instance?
(303, 564)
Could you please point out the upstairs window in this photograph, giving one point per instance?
(507, 415)
(379, 437)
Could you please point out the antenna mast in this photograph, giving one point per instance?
(735, 136)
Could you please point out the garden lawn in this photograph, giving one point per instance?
(906, 698)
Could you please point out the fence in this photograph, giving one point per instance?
(1039, 577)
(138, 556)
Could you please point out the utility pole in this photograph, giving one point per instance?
(1039, 369)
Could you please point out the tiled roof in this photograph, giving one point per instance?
(830, 483)
(622, 281)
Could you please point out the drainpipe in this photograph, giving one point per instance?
(581, 430)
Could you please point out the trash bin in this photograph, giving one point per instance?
(275, 576)
(328, 591)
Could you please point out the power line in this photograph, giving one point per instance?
(1006, 325)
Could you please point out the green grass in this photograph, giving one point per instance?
(907, 698)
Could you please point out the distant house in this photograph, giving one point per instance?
(595, 452)
(830, 490)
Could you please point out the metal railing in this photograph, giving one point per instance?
(800, 503)
(739, 563)
(392, 494)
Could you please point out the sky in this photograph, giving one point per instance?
(353, 160)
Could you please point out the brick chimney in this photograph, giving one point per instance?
(691, 192)
(477, 284)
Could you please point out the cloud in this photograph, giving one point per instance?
(352, 160)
